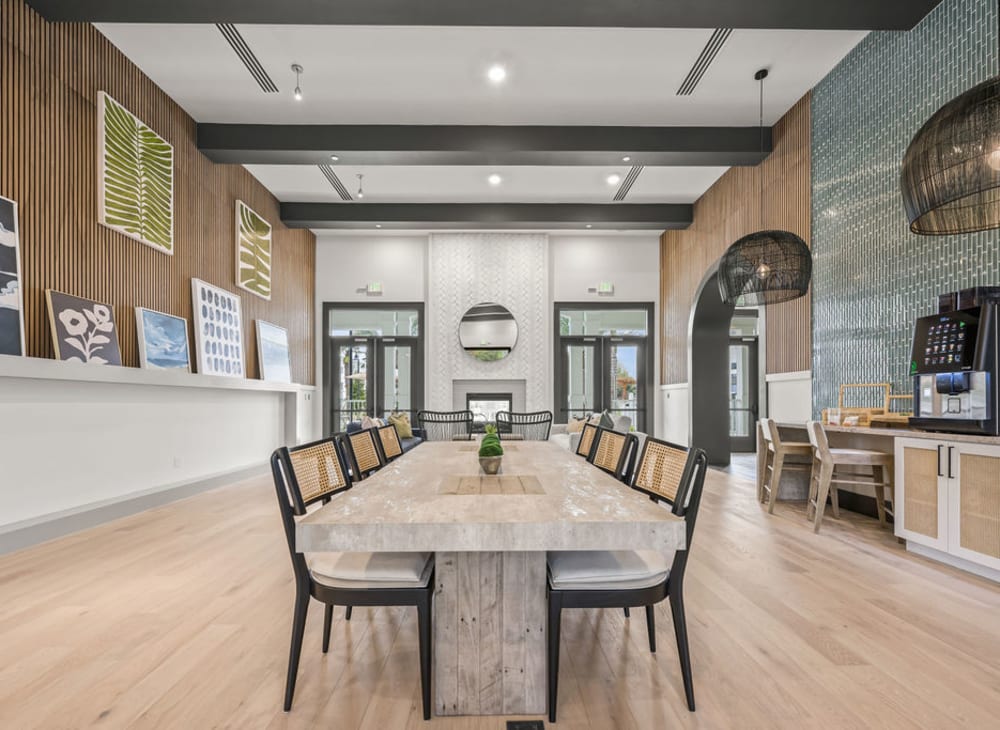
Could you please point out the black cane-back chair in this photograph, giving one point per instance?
(446, 425)
(586, 442)
(388, 439)
(623, 578)
(304, 475)
(611, 452)
(524, 426)
(366, 456)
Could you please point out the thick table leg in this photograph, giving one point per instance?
(489, 633)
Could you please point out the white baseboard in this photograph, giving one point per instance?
(955, 562)
(19, 535)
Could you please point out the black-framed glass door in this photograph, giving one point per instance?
(604, 361)
(372, 362)
(743, 394)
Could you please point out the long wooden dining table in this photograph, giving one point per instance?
(490, 536)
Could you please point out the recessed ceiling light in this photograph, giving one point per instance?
(589, 225)
(334, 158)
(496, 73)
(626, 158)
(378, 225)
(614, 179)
(494, 179)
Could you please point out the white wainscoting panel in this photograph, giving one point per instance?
(789, 396)
(675, 421)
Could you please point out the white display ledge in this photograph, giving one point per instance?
(40, 368)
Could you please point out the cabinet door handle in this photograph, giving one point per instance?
(940, 446)
(950, 449)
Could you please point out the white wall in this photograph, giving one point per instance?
(674, 423)
(71, 446)
(789, 397)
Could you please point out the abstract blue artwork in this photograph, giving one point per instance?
(272, 352)
(163, 340)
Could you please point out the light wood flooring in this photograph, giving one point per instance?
(180, 618)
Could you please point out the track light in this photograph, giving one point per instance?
(297, 70)
(361, 190)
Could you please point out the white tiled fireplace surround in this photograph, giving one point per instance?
(461, 388)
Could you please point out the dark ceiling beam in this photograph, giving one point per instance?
(797, 14)
(388, 144)
(600, 216)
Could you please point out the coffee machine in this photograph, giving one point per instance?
(954, 368)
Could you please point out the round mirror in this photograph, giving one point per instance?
(488, 331)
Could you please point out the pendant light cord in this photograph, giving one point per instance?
(760, 76)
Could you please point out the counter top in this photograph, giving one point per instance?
(912, 433)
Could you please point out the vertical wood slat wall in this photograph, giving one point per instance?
(49, 80)
(727, 211)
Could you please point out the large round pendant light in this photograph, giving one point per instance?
(765, 267)
(951, 171)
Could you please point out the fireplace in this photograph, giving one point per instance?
(484, 407)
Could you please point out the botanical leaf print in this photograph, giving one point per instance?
(137, 177)
(83, 330)
(253, 251)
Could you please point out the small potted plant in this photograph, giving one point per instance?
(490, 451)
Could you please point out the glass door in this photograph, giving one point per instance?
(743, 388)
(603, 373)
(353, 381)
(395, 359)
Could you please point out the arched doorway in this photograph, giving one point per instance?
(708, 370)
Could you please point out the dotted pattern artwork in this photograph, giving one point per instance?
(218, 330)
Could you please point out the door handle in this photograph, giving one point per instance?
(940, 446)
(950, 449)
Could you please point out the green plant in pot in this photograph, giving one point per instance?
(490, 451)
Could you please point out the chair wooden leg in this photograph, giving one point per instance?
(298, 630)
(651, 628)
(555, 618)
(835, 501)
(822, 491)
(779, 463)
(887, 479)
(327, 621)
(680, 633)
(347, 615)
(627, 614)
(424, 628)
(762, 454)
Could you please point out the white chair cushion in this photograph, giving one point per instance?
(596, 570)
(370, 570)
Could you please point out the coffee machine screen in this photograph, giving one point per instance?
(945, 343)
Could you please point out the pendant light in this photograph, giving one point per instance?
(297, 70)
(768, 266)
(951, 170)
(361, 189)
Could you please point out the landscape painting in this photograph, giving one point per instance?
(135, 191)
(83, 330)
(272, 352)
(253, 251)
(163, 340)
(11, 300)
(218, 330)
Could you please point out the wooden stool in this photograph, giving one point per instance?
(771, 460)
(823, 481)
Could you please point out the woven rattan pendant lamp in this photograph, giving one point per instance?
(951, 171)
(765, 267)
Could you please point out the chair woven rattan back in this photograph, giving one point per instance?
(611, 451)
(311, 472)
(446, 425)
(586, 440)
(663, 470)
(527, 426)
(388, 438)
(365, 455)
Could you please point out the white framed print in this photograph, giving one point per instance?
(11, 298)
(163, 340)
(272, 353)
(218, 330)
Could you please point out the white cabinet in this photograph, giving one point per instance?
(948, 497)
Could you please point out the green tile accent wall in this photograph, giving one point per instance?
(872, 277)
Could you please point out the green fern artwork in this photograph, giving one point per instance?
(136, 186)
(253, 251)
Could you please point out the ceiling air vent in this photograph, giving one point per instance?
(251, 61)
(708, 54)
(331, 176)
(627, 183)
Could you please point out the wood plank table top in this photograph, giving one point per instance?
(433, 499)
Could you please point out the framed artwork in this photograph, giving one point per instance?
(253, 251)
(135, 189)
(163, 340)
(11, 298)
(218, 330)
(83, 330)
(272, 352)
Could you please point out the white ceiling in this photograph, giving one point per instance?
(468, 184)
(437, 75)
